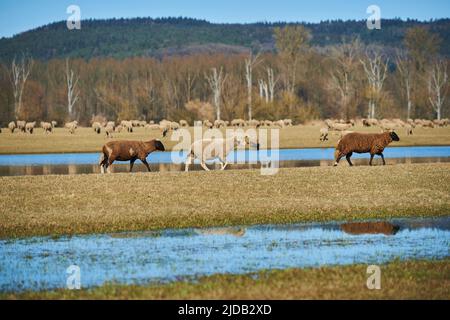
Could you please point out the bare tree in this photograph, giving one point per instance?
(190, 81)
(251, 62)
(437, 86)
(375, 68)
(263, 90)
(272, 82)
(406, 79)
(20, 72)
(292, 43)
(72, 92)
(342, 78)
(216, 80)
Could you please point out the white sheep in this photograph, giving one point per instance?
(219, 148)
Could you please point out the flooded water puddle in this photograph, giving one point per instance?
(169, 255)
(85, 163)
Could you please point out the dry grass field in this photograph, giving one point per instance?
(56, 205)
(86, 140)
(399, 280)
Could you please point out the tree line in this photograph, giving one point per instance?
(297, 81)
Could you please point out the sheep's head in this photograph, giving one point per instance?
(159, 146)
(394, 136)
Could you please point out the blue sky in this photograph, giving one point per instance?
(18, 16)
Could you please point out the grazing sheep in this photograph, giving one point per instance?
(47, 126)
(288, 122)
(399, 122)
(97, 127)
(268, 123)
(109, 131)
(12, 126)
(152, 127)
(21, 125)
(388, 126)
(441, 123)
(184, 123)
(409, 129)
(370, 122)
(219, 124)
(72, 126)
(254, 123)
(111, 124)
(29, 127)
(119, 128)
(363, 143)
(54, 124)
(127, 125)
(329, 123)
(208, 124)
(208, 149)
(165, 126)
(340, 126)
(128, 151)
(279, 123)
(323, 134)
(427, 124)
(174, 125)
(238, 123)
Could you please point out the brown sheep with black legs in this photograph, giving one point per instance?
(372, 143)
(128, 151)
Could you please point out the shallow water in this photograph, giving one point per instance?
(239, 156)
(65, 169)
(84, 163)
(162, 256)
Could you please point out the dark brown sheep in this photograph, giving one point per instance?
(128, 151)
(372, 143)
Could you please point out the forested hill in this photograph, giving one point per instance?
(121, 38)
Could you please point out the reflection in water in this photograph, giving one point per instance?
(382, 227)
(169, 255)
(164, 167)
(234, 231)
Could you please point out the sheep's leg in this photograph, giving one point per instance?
(338, 158)
(348, 158)
(202, 163)
(188, 162)
(223, 164)
(144, 161)
(102, 163)
(382, 158)
(371, 158)
(132, 164)
(109, 164)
